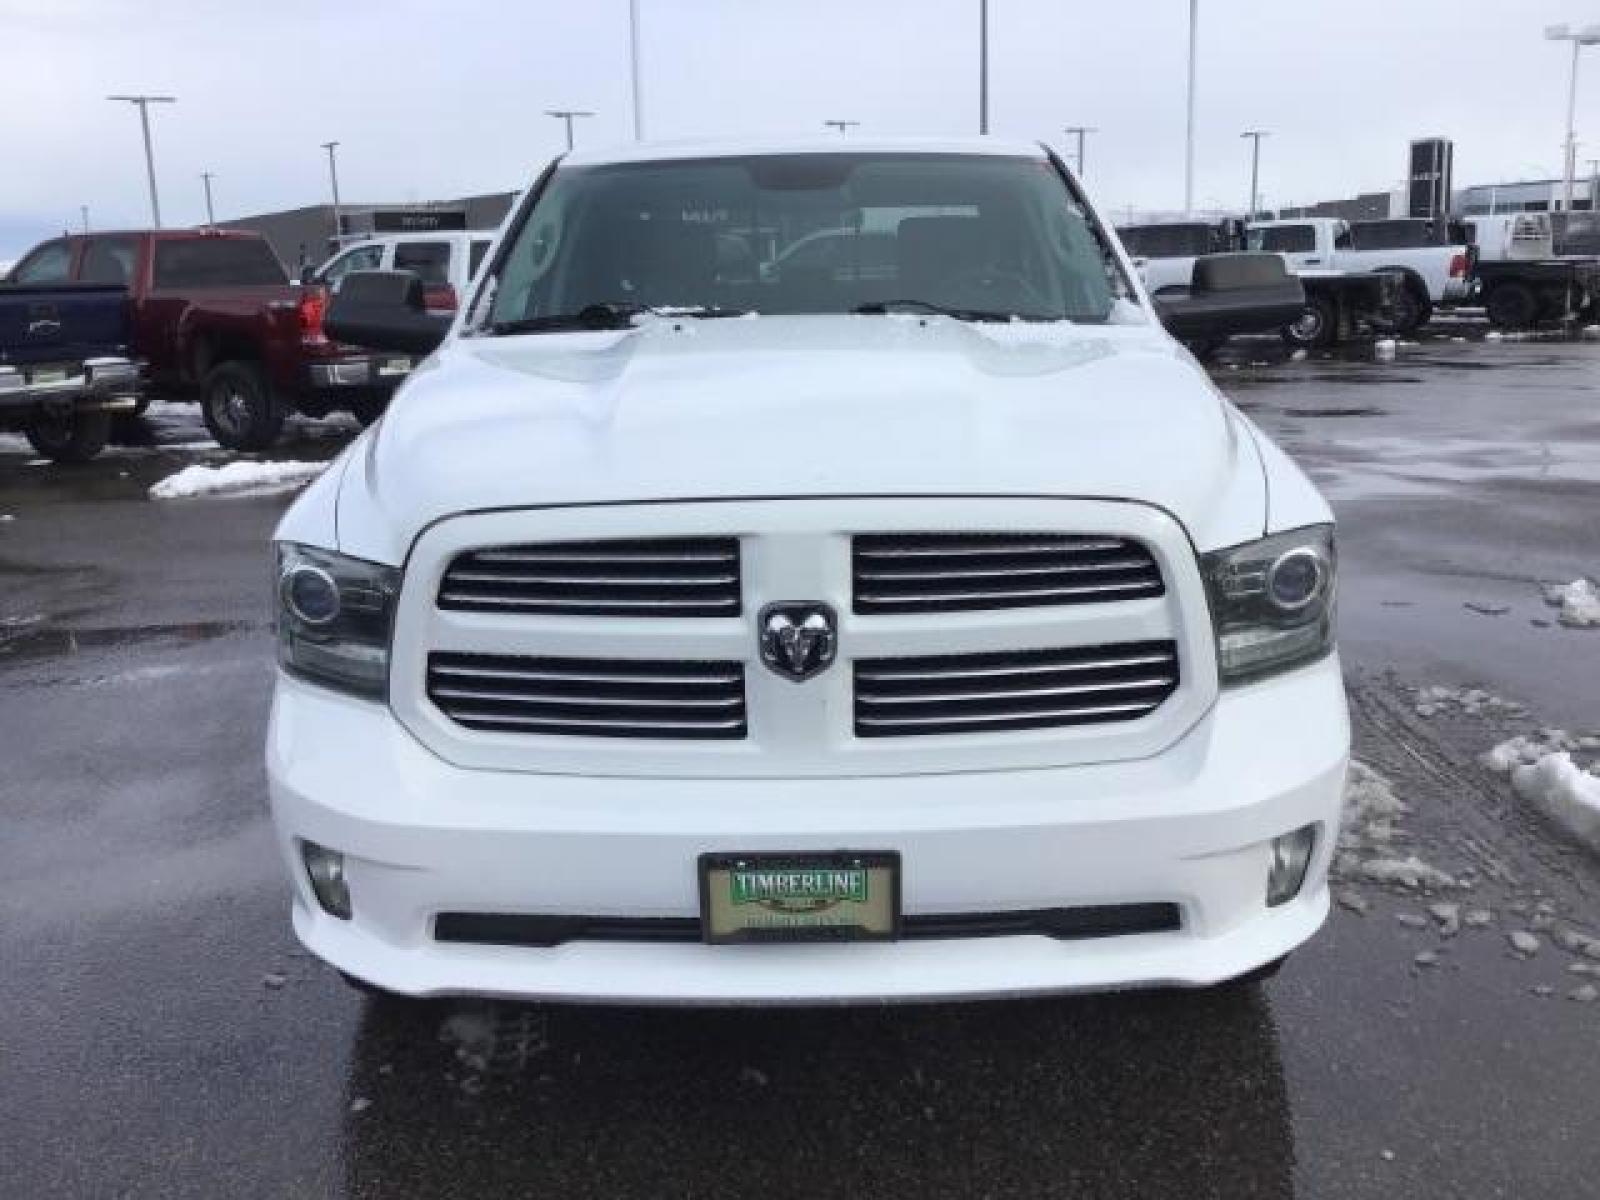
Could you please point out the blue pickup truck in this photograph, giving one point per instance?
(64, 366)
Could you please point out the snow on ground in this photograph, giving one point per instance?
(1368, 849)
(1434, 700)
(235, 478)
(1579, 602)
(1564, 793)
(1528, 748)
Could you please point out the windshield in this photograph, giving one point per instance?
(822, 233)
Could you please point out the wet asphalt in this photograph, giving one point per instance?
(161, 1034)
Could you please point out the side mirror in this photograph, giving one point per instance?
(1229, 294)
(384, 310)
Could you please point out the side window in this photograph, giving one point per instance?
(50, 263)
(362, 258)
(1284, 239)
(475, 258)
(109, 260)
(429, 261)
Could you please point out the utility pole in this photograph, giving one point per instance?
(567, 114)
(633, 54)
(333, 175)
(1080, 131)
(842, 126)
(143, 104)
(983, 66)
(1188, 138)
(83, 211)
(1255, 136)
(211, 216)
(1589, 35)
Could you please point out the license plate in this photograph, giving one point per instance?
(847, 896)
(394, 366)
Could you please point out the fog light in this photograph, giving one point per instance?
(1291, 855)
(325, 868)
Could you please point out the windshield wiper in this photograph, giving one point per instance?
(878, 308)
(607, 314)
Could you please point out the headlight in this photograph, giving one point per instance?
(1272, 602)
(334, 618)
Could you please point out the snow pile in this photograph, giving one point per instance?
(1472, 701)
(1564, 793)
(1370, 830)
(1579, 602)
(235, 478)
(1527, 748)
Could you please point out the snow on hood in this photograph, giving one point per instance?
(803, 406)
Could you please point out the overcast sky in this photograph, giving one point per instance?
(439, 98)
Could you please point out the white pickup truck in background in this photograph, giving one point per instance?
(1430, 276)
(445, 262)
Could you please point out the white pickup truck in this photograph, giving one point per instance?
(1428, 276)
(703, 627)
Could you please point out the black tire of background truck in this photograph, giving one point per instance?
(1511, 306)
(239, 408)
(1410, 312)
(369, 406)
(74, 439)
(1317, 326)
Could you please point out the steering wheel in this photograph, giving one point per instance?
(985, 278)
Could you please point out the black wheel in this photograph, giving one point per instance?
(368, 408)
(239, 408)
(1409, 312)
(1511, 306)
(1318, 325)
(70, 439)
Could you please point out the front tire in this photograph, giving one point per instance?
(239, 408)
(70, 439)
(1410, 312)
(1316, 327)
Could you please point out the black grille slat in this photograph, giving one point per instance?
(581, 697)
(1066, 924)
(649, 577)
(966, 572)
(1012, 690)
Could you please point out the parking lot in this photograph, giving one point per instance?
(165, 1036)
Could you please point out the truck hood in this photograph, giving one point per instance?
(802, 407)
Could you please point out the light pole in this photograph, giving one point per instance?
(1080, 131)
(143, 104)
(633, 55)
(1255, 136)
(842, 126)
(1188, 137)
(333, 175)
(211, 216)
(567, 114)
(983, 66)
(1589, 35)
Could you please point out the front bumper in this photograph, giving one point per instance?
(95, 385)
(1189, 826)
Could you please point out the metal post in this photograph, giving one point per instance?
(1188, 139)
(1079, 131)
(567, 114)
(143, 104)
(633, 47)
(211, 216)
(333, 176)
(1572, 116)
(1255, 136)
(983, 66)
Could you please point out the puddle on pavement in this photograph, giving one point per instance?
(30, 638)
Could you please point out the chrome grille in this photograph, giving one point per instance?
(651, 577)
(586, 697)
(1023, 689)
(954, 572)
